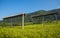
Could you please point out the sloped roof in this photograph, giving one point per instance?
(13, 16)
(44, 14)
(54, 11)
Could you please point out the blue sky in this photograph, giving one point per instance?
(12, 7)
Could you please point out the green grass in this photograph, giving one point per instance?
(31, 31)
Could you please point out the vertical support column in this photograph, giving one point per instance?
(11, 22)
(23, 21)
(32, 20)
(39, 20)
(3, 23)
(43, 20)
(56, 18)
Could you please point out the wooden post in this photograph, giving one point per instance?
(23, 21)
(32, 20)
(43, 20)
(56, 18)
(11, 23)
(3, 23)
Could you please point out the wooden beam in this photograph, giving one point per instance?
(23, 21)
(56, 18)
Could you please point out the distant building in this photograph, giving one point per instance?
(15, 20)
(46, 17)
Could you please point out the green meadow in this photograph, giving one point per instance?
(47, 30)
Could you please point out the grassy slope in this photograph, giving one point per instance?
(31, 31)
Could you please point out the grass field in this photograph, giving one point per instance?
(31, 31)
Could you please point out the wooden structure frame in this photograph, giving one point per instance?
(13, 19)
(44, 16)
